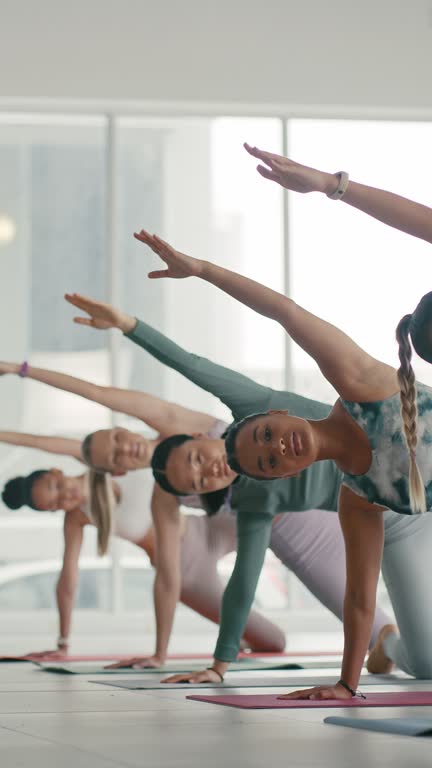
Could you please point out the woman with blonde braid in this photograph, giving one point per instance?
(383, 465)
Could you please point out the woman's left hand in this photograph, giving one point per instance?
(319, 693)
(179, 265)
(292, 175)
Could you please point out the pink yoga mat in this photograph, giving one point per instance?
(120, 656)
(393, 699)
(97, 657)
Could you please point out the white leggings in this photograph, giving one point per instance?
(407, 571)
(309, 543)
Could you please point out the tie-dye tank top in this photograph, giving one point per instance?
(387, 480)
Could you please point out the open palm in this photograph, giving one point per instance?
(178, 264)
(101, 315)
(287, 173)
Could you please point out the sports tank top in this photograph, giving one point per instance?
(132, 513)
(387, 480)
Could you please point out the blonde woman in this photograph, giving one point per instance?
(186, 548)
(117, 506)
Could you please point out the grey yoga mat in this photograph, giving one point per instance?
(185, 666)
(406, 726)
(147, 683)
(171, 668)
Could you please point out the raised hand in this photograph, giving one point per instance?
(291, 175)
(319, 693)
(178, 264)
(138, 662)
(206, 676)
(101, 315)
(8, 368)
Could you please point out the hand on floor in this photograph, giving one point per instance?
(56, 653)
(206, 676)
(137, 662)
(319, 693)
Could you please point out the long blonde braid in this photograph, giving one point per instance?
(408, 396)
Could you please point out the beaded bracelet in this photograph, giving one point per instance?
(23, 371)
(351, 690)
(212, 669)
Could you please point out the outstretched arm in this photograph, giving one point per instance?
(395, 211)
(354, 374)
(62, 446)
(166, 418)
(242, 395)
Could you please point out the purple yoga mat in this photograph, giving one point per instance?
(393, 699)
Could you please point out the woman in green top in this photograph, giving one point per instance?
(364, 434)
(253, 502)
(305, 543)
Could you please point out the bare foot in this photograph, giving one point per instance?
(378, 663)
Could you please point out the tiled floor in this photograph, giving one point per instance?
(48, 720)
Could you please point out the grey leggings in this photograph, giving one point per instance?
(309, 543)
(407, 571)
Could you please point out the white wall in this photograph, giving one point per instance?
(369, 53)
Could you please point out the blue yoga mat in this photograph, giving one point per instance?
(406, 726)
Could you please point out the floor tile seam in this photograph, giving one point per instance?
(51, 741)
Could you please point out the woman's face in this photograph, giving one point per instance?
(275, 445)
(199, 466)
(118, 450)
(53, 491)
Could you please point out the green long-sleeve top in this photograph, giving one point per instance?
(254, 502)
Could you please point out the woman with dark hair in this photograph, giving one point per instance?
(192, 545)
(188, 463)
(372, 434)
(185, 548)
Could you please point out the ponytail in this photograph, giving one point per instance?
(102, 505)
(408, 396)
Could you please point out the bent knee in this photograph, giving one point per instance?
(279, 644)
(273, 643)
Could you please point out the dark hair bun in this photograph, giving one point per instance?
(14, 493)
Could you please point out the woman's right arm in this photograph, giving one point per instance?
(63, 446)
(68, 579)
(253, 536)
(67, 583)
(398, 212)
(167, 584)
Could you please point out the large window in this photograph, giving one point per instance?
(73, 190)
(67, 178)
(345, 266)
